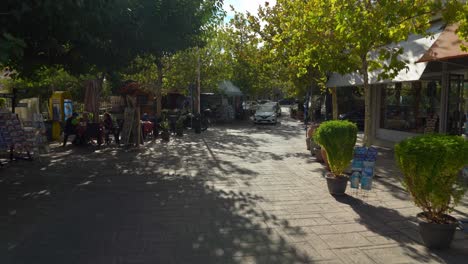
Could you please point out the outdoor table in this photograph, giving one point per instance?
(95, 130)
(90, 131)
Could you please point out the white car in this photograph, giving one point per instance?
(265, 114)
(276, 106)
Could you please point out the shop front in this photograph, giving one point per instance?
(430, 96)
(418, 107)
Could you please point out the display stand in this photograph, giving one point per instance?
(129, 116)
(35, 133)
(363, 168)
(13, 137)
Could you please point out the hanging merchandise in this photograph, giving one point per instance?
(12, 134)
(36, 135)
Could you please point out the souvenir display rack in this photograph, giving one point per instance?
(13, 137)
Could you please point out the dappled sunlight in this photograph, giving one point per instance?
(398, 229)
(233, 194)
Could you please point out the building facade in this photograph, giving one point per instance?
(430, 96)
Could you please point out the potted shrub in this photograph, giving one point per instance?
(431, 165)
(165, 134)
(180, 127)
(292, 111)
(310, 133)
(337, 138)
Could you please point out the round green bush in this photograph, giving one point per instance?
(431, 165)
(338, 138)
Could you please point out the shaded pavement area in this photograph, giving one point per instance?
(235, 194)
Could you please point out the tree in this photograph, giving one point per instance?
(255, 71)
(101, 37)
(294, 45)
(345, 37)
(215, 65)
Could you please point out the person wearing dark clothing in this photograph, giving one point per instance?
(109, 128)
(145, 117)
(70, 127)
(82, 130)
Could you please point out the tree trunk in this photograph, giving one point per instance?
(159, 85)
(197, 94)
(334, 103)
(367, 103)
(93, 90)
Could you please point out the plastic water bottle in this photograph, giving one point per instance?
(366, 182)
(355, 179)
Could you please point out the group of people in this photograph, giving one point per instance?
(80, 127)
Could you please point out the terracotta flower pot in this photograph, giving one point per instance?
(324, 157)
(318, 154)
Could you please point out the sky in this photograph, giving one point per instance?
(244, 5)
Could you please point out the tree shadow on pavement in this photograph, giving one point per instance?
(401, 230)
(168, 219)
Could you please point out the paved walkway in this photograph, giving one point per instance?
(235, 194)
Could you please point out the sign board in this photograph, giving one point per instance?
(21, 91)
(6, 95)
(22, 105)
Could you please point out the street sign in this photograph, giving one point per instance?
(22, 91)
(21, 105)
(6, 95)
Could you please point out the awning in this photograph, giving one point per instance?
(413, 49)
(447, 46)
(229, 89)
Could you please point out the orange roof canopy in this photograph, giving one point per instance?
(447, 46)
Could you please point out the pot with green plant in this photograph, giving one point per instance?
(337, 138)
(180, 126)
(165, 134)
(431, 165)
(2, 103)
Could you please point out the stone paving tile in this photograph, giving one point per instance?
(234, 194)
(353, 255)
(341, 217)
(401, 254)
(350, 228)
(345, 240)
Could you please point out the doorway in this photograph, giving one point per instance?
(456, 112)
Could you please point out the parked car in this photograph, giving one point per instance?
(286, 101)
(276, 106)
(263, 101)
(265, 114)
(355, 117)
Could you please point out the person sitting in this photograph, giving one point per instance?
(81, 130)
(145, 117)
(147, 125)
(70, 127)
(110, 128)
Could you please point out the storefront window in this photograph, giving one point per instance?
(411, 106)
